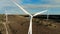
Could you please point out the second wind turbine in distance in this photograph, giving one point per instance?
(5, 23)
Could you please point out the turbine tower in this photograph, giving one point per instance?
(5, 23)
(47, 15)
(31, 16)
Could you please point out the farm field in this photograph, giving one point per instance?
(19, 24)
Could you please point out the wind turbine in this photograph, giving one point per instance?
(47, 15)
(5, 23)
(31, 16)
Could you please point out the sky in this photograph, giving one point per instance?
(32, 6)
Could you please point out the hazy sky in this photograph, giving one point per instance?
(32, 6)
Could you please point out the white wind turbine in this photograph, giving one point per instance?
(30, 26)
(5, 23)
(47, 15)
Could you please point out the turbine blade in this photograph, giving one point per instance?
(21, 7)
(40, 13)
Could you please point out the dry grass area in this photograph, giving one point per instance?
(46, 27)
(20, 25)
